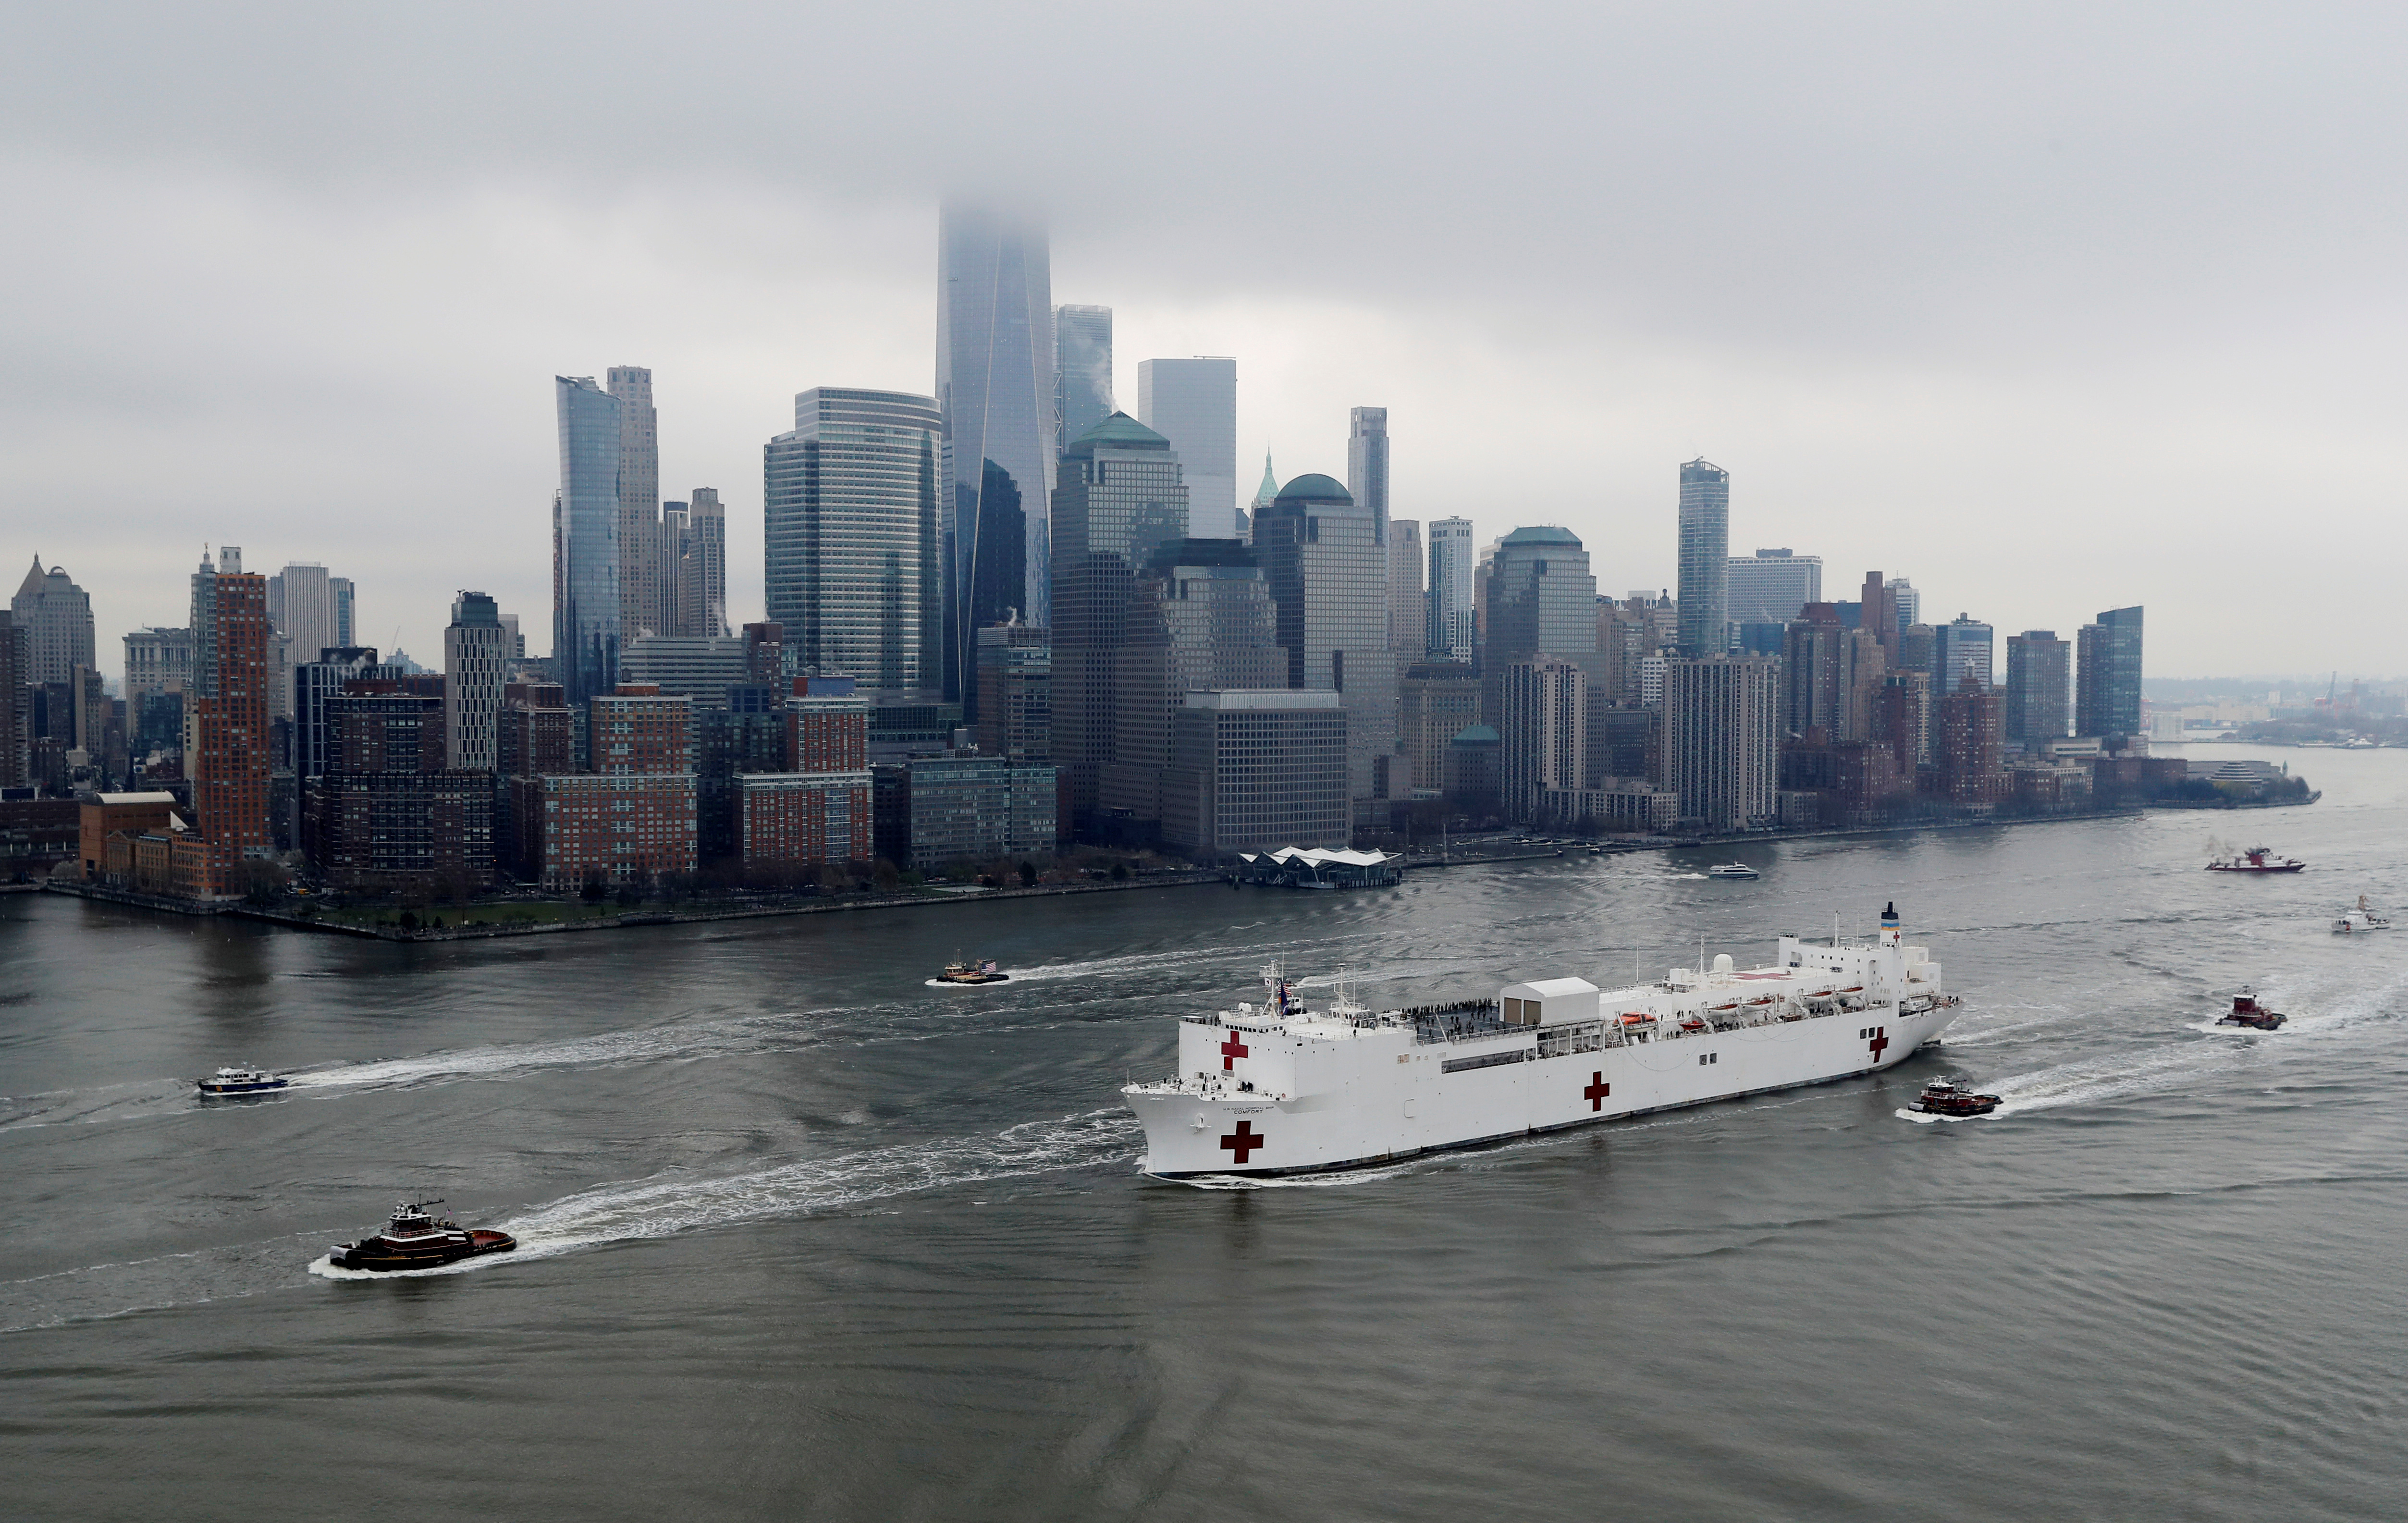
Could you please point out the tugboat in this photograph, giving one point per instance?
(418, 1239)
(2363, 918)
(973, 971)
(2247, 1012)
(240, 1081)
(1733, 870)
(2256, 860)
(1942, 1096)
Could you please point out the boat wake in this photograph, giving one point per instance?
(676, 1203)
(660, 1207)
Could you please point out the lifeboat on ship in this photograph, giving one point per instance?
(416, 1238)
(1944, 1097)
(2247, 1012)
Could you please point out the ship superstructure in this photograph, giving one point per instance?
(1282, 1088)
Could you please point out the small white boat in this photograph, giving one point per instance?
(2362, 918)
(240, 1081)
(1733, 870)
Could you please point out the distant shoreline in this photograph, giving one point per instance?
(1193, 879)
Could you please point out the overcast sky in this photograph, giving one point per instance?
(2051, 308)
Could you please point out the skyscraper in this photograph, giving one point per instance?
(702, 574)
(2038, 672)
(16, 716)
(850, 541)
(1366, 461)
(228, 756)
(56, 616)
(476, 659)
(1542, 598)
(344, 596)
(1961, 645)
(1770, 586)
(1193, 404)
(1906, 604)
(1201, 619)
(1452, 558)
(1408, 606)
(1082, 371)
(586, 540)
(1327, 568)
(301, 604)
(2107, 694)
(994, 389)
(1705, 558)
(639, 503)
(1119, 498)
(1720, 756)
(1545, 731)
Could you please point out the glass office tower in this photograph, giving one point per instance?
(1083, 372)
(850, 541)
(1705, 558)
(1193, 404)
(1453, 560)
(586, 540)
(2107, 678)
(1327, 565)
(994, 390)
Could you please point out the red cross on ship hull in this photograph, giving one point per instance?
(1231, 1050)
(1879, 1044)
(1597, 1091)
(1243, 1140)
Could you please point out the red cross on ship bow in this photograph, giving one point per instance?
(1880, 1042)
(1243, 1140)
(1231, 1050)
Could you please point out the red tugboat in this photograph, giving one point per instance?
(2256, 860)
(1942, 1096)
(417, 1239)
(2247, 1012)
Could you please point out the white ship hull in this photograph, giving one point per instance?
(1277, 1089)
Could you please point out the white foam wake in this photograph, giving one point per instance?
(681, 1202)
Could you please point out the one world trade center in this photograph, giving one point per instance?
(994, 382)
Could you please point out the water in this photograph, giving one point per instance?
(804, 1238)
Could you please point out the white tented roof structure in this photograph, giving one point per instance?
(1317, 857)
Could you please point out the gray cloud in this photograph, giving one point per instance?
(2051, 308)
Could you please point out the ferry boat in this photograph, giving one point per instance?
(1279, 1088)
(418, 1239)
(2247, 1012)
(2256, 860)
(1733, 870)
(973, 971)
(2362, 918)
(240, 1081)
(1944, 1097)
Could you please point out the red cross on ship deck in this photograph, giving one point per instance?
(1231, 1050)
(1880, 1042)
(1597, 1091)
(1242, 1141)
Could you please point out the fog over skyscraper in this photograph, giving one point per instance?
(586, 540)
(1705, 558)
(1193, 404)
(1082, 371)
(994, 389)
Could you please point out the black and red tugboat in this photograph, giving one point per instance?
(1943, 1096)
(418, 1239)
(2247, 1012)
